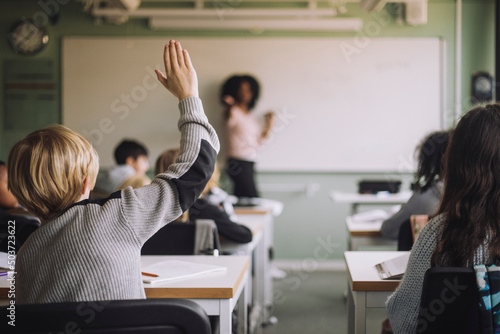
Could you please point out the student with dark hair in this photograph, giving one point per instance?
(129, 151)
(132, 164)
(466, 230)
(428, 186)
(244, 134)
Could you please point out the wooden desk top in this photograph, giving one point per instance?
(213, 285)
(362, 272)
(363, 229)
(216, 285)
(252, 210)
(262, 206)
(255, 225)
(257, 228)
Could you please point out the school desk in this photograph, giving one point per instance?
(217, 292)
(257, 252)
(356, 199)
(365, 234)
(264, 211)
(366, 288)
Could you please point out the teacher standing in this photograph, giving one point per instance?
(244, 133)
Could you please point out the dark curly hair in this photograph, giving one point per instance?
(430, 160)
(232, 85)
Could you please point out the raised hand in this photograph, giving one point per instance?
(180, 78)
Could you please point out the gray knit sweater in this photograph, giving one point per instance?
(420, 203)
(92, 250)
(403, 305)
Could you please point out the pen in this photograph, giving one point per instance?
(149, 274)
(4, 273)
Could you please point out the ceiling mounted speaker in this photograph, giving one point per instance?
(416, 12)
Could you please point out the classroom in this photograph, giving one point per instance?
(354, 87)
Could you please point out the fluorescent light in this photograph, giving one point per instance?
(214, 12)
(324, 24)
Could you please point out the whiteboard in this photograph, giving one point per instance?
(341, 106)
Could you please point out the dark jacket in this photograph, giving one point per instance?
(202, 209)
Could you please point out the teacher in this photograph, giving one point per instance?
(244, 133)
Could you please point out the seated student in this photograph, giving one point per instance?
(428, 186)
(7, 199)
(132, 164)
(466, 230)
(16, 224)
(90, 250)
(206, 207)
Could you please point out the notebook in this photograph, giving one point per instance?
(173, 269)
(393, 268)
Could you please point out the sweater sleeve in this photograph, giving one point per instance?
(172, 192)
(390, 227)
(424, 203)
(403, 305)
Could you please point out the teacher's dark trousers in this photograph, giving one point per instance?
(242, 174)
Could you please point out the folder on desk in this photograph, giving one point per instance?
(393, 268)
(174, 269)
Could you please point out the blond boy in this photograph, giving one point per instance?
(90, 250)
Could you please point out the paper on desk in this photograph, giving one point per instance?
(370, 216)
(174, 269)
(4, 259)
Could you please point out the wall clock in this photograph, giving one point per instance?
(27, 38)
(482, 87)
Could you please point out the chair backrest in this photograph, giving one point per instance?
(22, 225)
(175, 238)
(405, 236)
(450, 302)
(144, 316)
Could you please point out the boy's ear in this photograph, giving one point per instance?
(130, 161)
(86, 186)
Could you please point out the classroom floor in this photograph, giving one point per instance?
(313, 302)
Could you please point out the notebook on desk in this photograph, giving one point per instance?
(393, 268)
(173, 270)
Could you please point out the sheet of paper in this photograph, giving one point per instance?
(174, 269)
(369, 216)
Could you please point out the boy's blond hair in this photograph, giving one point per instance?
(47, 170)
(169, 156)
(166, 159)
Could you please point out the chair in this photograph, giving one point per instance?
(15, 229)
(450, 302)
(405, 236)
(143, 316)
(177, 238)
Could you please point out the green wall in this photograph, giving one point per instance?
(306, 222)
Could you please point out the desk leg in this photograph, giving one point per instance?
(243, 308)
(350, 310)
(257, 316)
(354, 208)
(225, 323)
(359, 298)
(268, 279)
